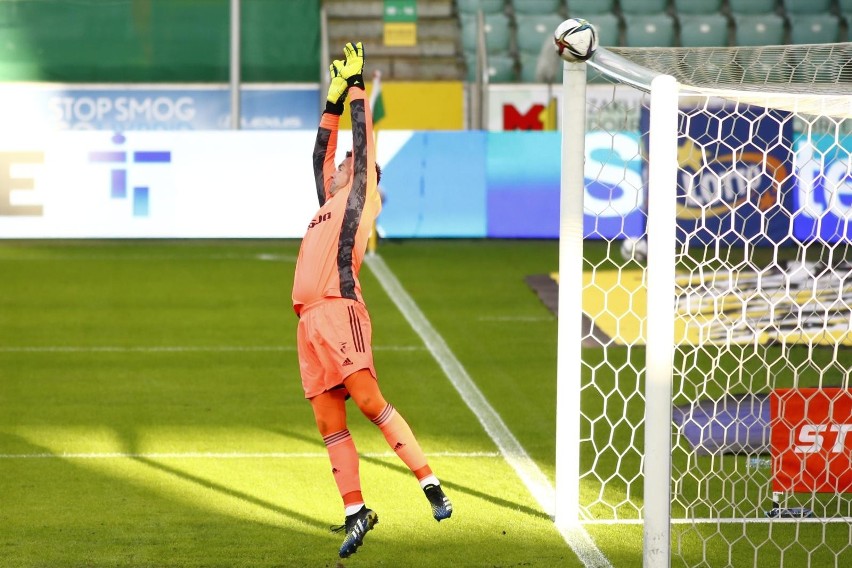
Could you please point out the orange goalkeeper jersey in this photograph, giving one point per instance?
(334, 245)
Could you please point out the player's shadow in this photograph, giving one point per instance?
(450, 485)
(131, 447)
(207, 484)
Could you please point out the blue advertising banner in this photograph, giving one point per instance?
(523, 175)
(504, 184)
(125, 108)
(734, 176)
(433, 184)
(823, 194)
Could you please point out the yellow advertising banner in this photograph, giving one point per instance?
(725, 307)
(398, 34)
(420, 105)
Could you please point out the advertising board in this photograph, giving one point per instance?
(822, 197)
(810, 441)
(30, 106)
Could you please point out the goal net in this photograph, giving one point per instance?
(743, 291)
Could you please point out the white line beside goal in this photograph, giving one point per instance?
(512, 451)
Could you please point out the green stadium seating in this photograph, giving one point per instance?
(529, 64)
(703, 30)
(845, 6)
(697, 6)
(820, 7)
(608, 27)
(752, 6)
(814, 28)
(533, 31)
(487, 6)
(164, 41)
(537, 6)
(649, 30)
(501, 68)
(643, 6)
(497, 33)
(758, 29)
(588, 8)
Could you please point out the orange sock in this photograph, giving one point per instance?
(344, 466)
(400, 437)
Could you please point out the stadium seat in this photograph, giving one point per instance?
(487, 6)
(698, 6)
(703, 30)
(643, 6)
(537, 6)
(497, 33)
(608, 28)
(758, 29)
(588, 8)
(752, 6)
(807, 6)
(845, 6)
(501, 68)
(814, 28)
(651, 30)
(533, 31)
(529, 65)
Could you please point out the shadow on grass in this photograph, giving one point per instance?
(131, 445)
(206, 483)
(450, 485)
(55, 504)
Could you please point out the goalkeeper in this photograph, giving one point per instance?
(334, 332)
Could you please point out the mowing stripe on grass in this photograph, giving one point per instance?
(231, 455)
(176, 348)
(514, 454)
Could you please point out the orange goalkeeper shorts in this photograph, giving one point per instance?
(333, 340)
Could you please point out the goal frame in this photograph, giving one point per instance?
(661, 94)
(663, 90)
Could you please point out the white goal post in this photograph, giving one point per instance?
(703, 381)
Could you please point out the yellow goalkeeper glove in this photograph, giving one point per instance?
(337, 87)
(353, 69)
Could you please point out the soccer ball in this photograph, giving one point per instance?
(634, 249)
(575, 39)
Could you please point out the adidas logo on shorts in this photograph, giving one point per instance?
(347, 362)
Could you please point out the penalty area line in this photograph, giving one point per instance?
(176, 348)
(515, 455)
(229, 455)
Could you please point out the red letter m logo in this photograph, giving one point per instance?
(531, 120)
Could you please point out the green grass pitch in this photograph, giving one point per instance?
(151, 414)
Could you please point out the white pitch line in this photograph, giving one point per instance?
(156, 257)
(516, 319)
(727, 521)
(515, 455)
(229, 455)
(175, 348)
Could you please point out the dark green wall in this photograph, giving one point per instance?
(156, 40)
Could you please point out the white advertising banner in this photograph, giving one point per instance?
(54, 106)
(256, 184)
(524, 107)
